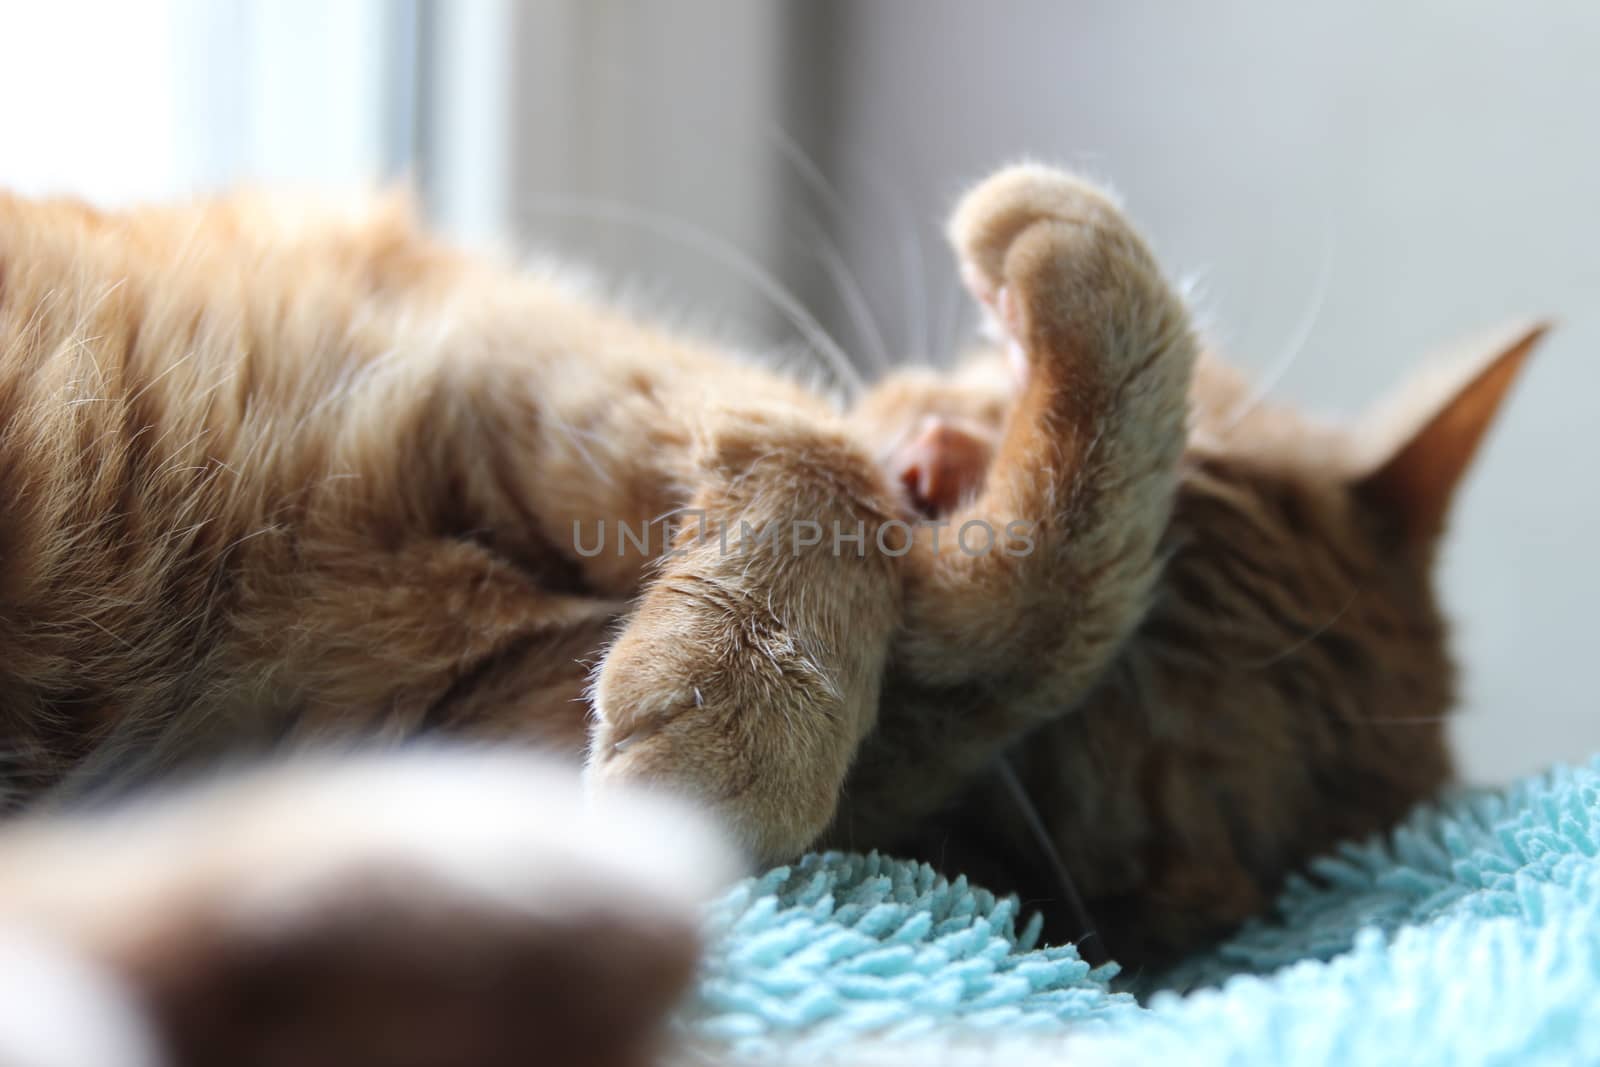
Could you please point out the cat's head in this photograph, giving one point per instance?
(1290, 682)
(1287, 685)
(1346, 519)
(1300, 553)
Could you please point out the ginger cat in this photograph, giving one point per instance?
(275, 478)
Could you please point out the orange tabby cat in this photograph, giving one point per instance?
(274, 477)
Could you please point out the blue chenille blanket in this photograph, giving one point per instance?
(1471, 934)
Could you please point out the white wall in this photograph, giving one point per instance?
(630, 136)
(87, 112)
(1439, 160)
(124, 101)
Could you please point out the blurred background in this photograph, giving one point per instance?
(1347, 186)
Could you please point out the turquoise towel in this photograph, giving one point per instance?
(1471, 934)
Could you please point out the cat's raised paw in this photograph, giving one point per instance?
(1053, 260)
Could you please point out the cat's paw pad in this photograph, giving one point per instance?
(422, 909)
(1049, 256)
(993, 214)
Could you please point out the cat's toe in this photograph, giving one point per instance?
(739, 721)
(993, 214)
(1052, 259)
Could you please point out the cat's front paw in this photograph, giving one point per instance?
(1054, 261)
(751, 670)
(719, 702)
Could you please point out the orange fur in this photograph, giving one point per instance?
(277, 476)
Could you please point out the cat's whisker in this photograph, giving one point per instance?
(727, 255)
(1308, 638)
(1411, 720)
(857, 306)
(913, 263)
(807, 169)
(1297, 339)
(854, 297)
(953, 325)
(914, 268)
(1088, 941)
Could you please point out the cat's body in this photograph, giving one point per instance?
(272, 478)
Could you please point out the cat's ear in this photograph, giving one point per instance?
(1424, 440)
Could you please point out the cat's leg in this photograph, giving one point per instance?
(432, 635)
(1088, 463)
(426, 908)
(751, 670)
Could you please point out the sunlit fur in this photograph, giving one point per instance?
(272, 476)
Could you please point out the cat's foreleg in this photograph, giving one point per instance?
(1088, 462)
(751, 670)
(1083, 481)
